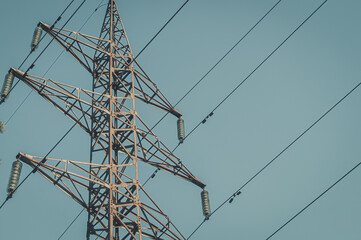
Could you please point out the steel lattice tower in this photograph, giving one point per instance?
(118, 206)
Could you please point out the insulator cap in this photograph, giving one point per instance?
(205, 204)
(36, 38)
(180, 127)
(8, 82)
(14, 177)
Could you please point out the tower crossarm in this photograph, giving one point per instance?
(145, 89)
(72, 101)
(79, 45)
(70, 176)
(82, 46)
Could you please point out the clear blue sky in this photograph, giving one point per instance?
(310, 73)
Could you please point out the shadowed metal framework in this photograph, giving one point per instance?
(108, 185)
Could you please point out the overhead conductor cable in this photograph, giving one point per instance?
(289, 36)
(205, 75)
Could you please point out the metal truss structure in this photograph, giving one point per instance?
(118, 206)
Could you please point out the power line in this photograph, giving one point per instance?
(289, 36)
(288, 146)
(294, 141)
(249, 75)
(71, 223)
(313, 201)
(17, 109)
(206, 74)
(160, 30)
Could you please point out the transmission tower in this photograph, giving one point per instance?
(108, 185)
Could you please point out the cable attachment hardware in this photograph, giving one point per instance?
(208, 116)
(234, 195)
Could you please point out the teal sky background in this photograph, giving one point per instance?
(300, 82)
